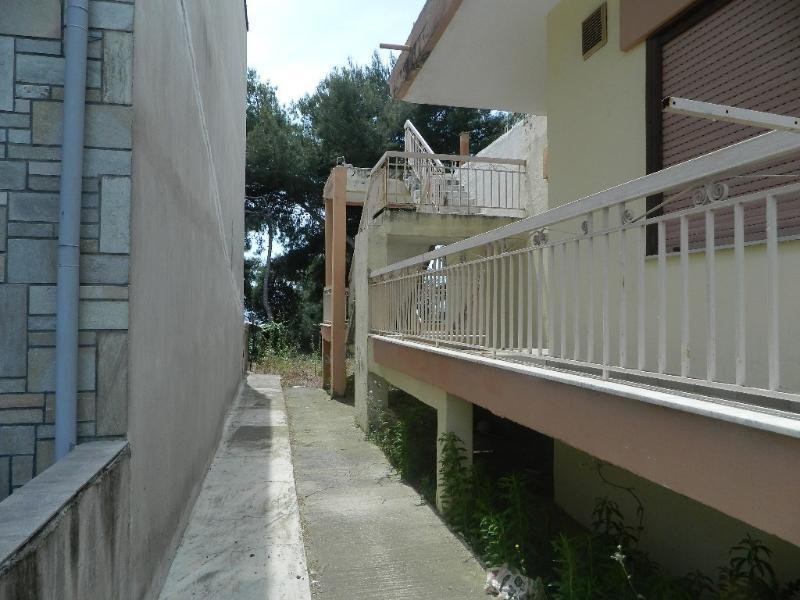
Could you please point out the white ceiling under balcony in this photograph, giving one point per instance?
(492, 54)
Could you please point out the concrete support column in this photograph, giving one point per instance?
(338, 261)
(453, 415)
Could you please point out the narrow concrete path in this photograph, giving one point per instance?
(243, 540)
(368, 536)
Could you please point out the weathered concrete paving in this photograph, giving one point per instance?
(367, 535)
(243, 540)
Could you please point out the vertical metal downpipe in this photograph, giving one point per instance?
(67, 296)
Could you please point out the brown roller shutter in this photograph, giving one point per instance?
(744, 53)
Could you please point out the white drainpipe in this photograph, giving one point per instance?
(75, 47)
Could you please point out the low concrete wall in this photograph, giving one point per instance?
(66, 534)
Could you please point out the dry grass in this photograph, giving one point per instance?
(302, 370)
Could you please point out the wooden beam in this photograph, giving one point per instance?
(428, 28)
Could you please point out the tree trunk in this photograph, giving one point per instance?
(267, 270)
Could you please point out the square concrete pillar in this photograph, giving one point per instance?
(454, 415)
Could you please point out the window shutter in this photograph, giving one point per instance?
(745, 54)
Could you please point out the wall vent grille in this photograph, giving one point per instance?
(594, 31)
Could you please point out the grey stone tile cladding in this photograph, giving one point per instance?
(34, 153)
(19, 136)
(22, 416)
(43, 184)
(3, 228)
(6, 73)
(42, 300)
(39, 46)
(39, 68)
(12, 386)
(32, 92)
(22, 401)
(107, 126)
(28, 206)
(31, 87)
(44, 168)
(32, 230)
(14, 120)
(115, 215)
(31, 261)
(21, 469)
(5, 477)
(44, 454)
(13, 327)
(111, 15)
(17, 440)
(12, 175)
(105, 269)
(41, 369)
(118, 68)
(41, 18)
(106, 162)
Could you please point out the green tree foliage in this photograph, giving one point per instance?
(351, 114)
(290, 152)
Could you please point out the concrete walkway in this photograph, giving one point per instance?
(368, 536)
(243, 540)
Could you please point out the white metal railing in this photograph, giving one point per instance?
(423, 168)
(447, 183)
(577, 287)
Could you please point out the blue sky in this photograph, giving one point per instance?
(294, 43)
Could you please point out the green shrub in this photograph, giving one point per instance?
(506, 522)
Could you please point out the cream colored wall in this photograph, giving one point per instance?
(595, 108)
(596, 131)
(680, 533)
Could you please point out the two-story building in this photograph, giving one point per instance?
(621, 277)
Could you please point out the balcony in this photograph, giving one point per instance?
(421, 180)
(588, 294)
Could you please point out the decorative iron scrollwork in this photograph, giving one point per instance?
(711, 192)
(539, 237)
(585, 227)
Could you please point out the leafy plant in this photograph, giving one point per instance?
(457, 499)
(400, 433)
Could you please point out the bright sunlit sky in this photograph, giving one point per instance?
(294, 43)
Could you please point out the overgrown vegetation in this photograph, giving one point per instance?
(400, 434)
(508, 521)
(272, 350)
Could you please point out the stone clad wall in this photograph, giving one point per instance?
(31, 92)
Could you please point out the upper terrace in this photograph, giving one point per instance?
(421, 180)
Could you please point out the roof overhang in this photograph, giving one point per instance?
(477, 54)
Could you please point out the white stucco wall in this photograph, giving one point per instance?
(186, 276)
(526, 140)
